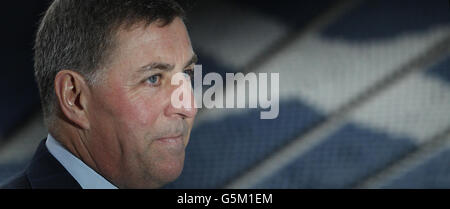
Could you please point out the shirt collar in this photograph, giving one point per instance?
(83, 174)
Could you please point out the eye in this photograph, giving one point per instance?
(190, 73)
(154, 80)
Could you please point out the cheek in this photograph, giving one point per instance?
(138, 111)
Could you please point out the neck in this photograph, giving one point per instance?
(74, 140)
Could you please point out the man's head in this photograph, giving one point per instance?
(104, 70)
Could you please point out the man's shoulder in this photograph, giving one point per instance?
(43, 172)
(20, 181)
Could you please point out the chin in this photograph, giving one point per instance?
(168, 171)
(171, 174)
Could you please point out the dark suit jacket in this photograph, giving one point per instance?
(43, 172)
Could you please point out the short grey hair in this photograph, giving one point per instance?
(79, 36)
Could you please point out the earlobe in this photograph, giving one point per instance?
(70, 90)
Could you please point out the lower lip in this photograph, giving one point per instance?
(171, 140)
(175, 144)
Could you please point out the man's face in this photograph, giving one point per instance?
(137, 138)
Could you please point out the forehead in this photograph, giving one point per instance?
(169, 43)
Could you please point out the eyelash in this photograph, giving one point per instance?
(189, 72)
(159, 76)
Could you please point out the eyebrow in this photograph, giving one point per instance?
(166, 66)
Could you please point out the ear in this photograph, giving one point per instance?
(72, 93)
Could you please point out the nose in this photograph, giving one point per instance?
(184, 93)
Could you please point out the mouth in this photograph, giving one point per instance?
(171, 139)
(173, 143)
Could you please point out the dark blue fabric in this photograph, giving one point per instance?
(211, 65)
(379, 19)
(433, 174)
(9, 170)
(44, 172)
(348, 155)
(441, 70)
(296, 14)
